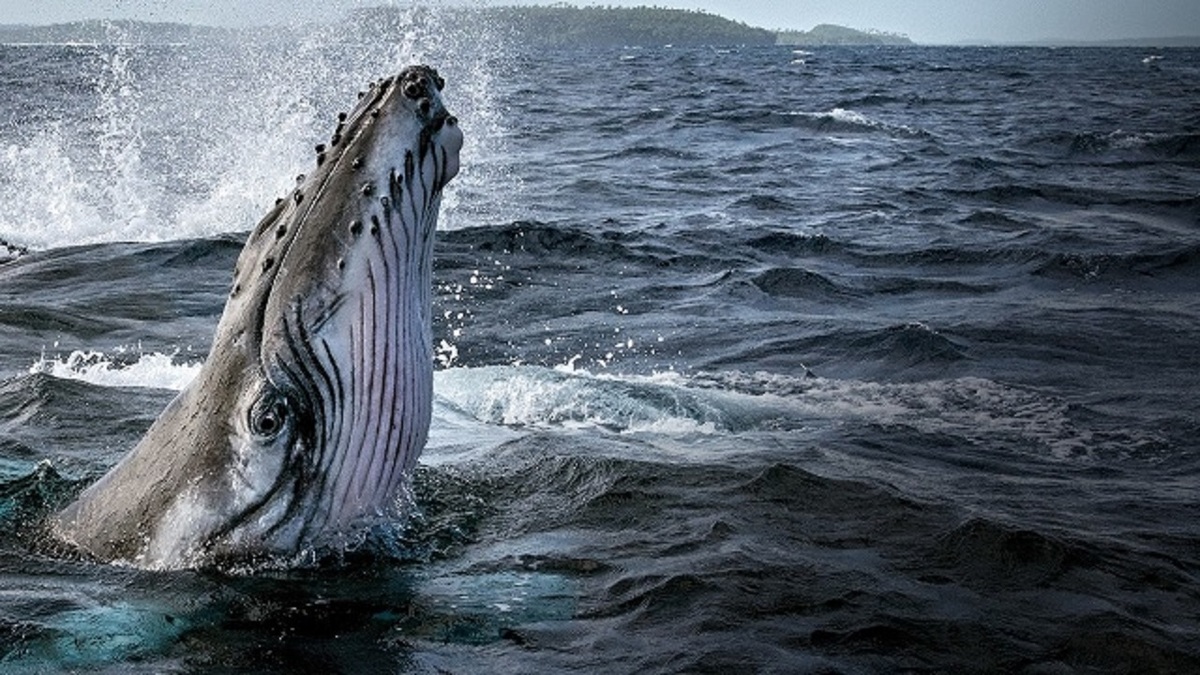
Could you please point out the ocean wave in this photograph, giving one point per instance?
(842, 120)
(537, 238)
(910, 343)
(1182, 260)
(127, 369)
(648, 151)
(911, 349)
(795, 554)
(527, 396)
(765, 203)
(1044, 195)
(990, 555)
(794, 243)
(795, 282)
(10, 252)
(550, 246)
(1004, 221)
(1119, 145)
(74, 421)
(26, 497)
(972, 410)
(878, 99)
(37, 317)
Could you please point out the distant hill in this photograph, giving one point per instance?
(96, 31)
(567, 26)
(536, 26)
(828, 34)
(556, 26)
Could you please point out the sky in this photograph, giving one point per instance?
(925, 21)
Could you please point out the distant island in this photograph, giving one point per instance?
(96, 31)
(568, 26)
(827, 34)
(553, 26)
(536, 26)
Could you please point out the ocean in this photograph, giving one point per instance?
(848, 360)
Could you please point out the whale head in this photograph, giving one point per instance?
(308, 416)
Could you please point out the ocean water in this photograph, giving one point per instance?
(750, 361)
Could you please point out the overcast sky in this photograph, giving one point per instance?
(927, 21)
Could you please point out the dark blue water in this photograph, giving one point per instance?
(858, 360)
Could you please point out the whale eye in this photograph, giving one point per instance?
(269, 416)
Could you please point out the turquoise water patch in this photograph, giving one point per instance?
(92, 637)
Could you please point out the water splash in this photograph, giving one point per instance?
(155, 370)
(491, 402)
(195, 140)
(84, 178)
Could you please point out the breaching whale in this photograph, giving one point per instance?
(306, 420)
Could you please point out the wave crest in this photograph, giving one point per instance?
(155, 370)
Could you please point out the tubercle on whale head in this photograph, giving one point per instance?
(419, 85)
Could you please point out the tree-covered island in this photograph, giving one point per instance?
(556, 26)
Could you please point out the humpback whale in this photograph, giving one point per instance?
(306, 420)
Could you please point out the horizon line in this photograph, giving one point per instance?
(1159, 41)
